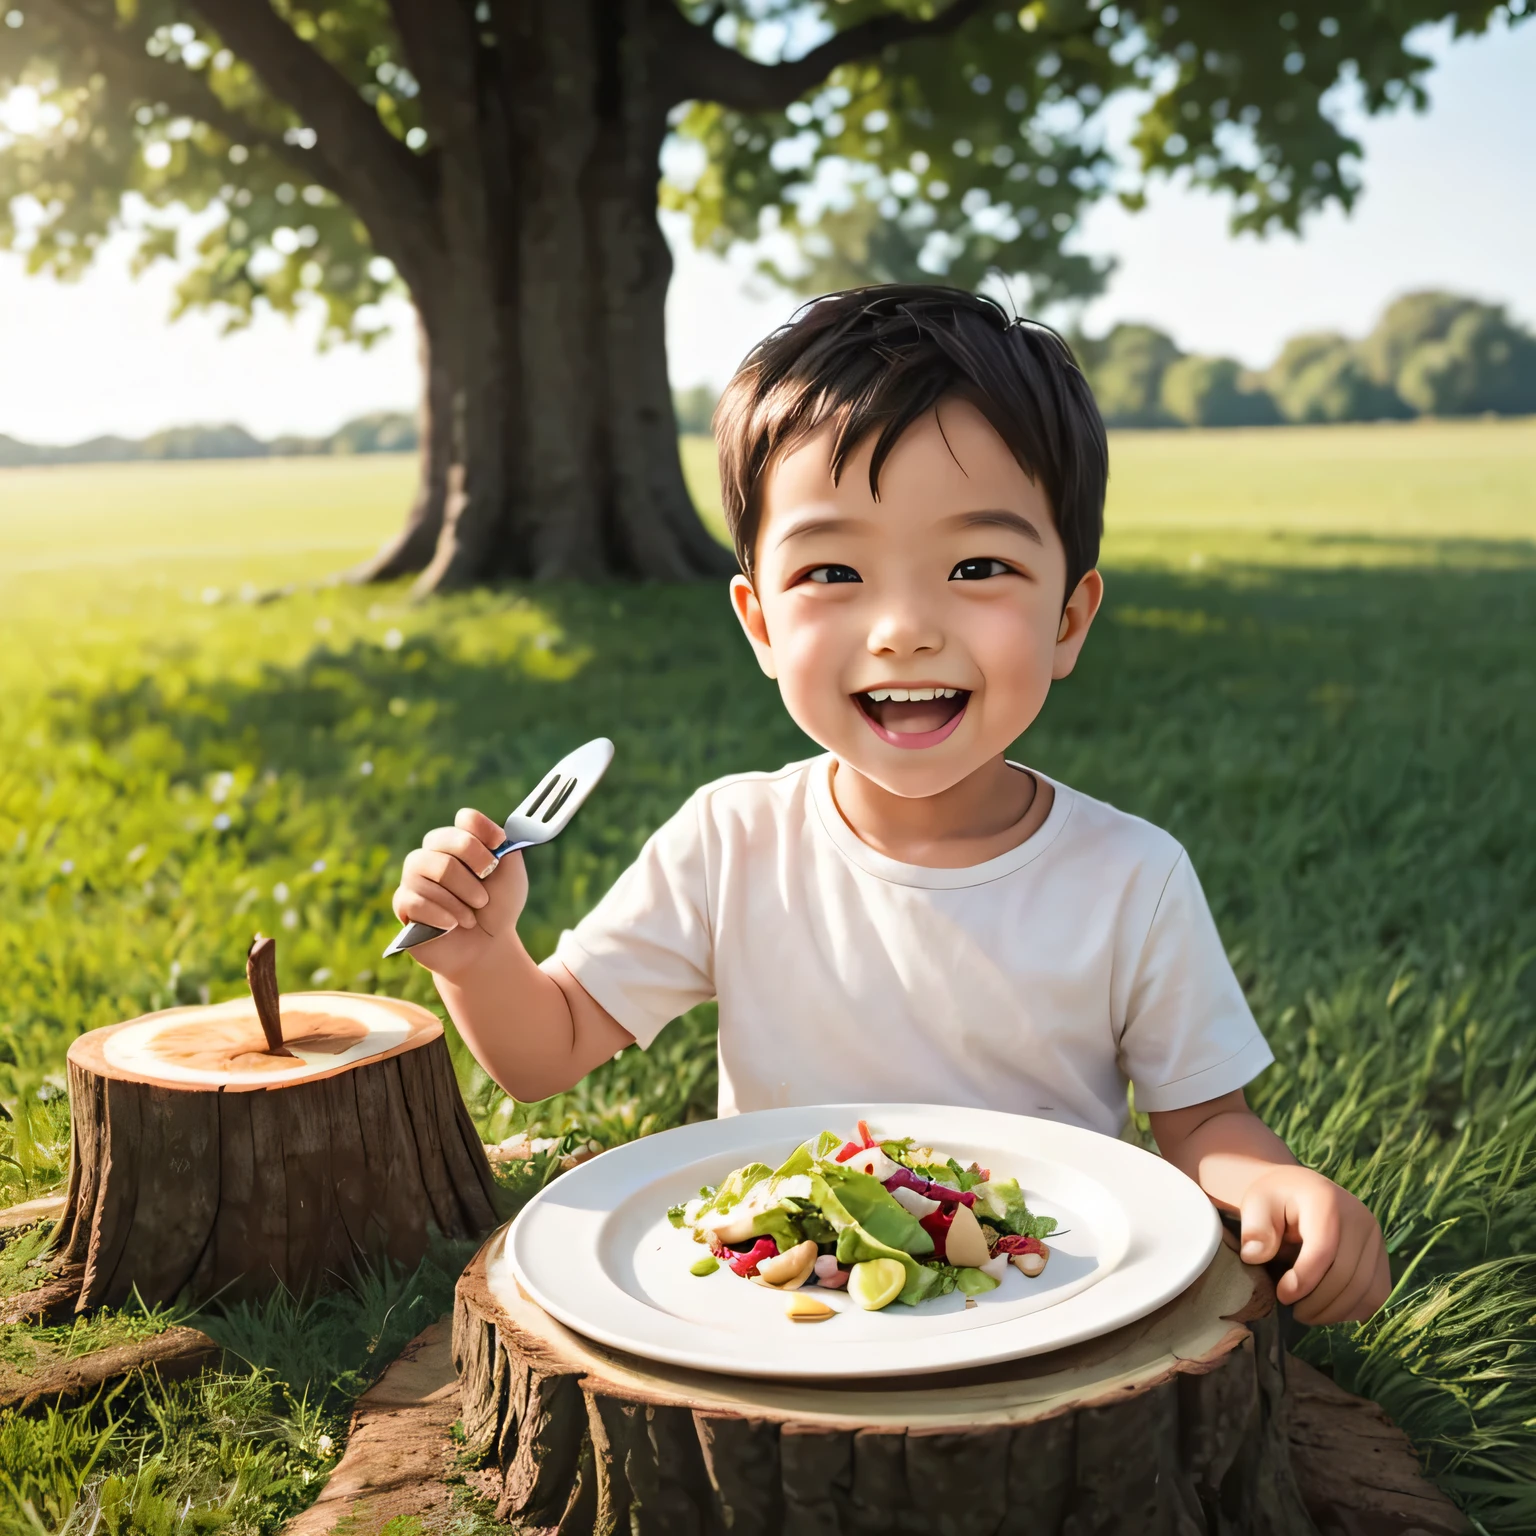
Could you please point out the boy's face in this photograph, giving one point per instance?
(950, 585)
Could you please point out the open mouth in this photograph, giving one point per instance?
(913, 717)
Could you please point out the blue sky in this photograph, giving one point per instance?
(1449, 201)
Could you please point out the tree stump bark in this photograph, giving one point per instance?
(1174, 1424)
(202, 1163)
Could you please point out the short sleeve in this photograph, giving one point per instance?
(1189, 1034)
(645, 951)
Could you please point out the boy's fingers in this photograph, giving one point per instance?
(480, 826)
(1327, 1300)
(1381, 1286)
(1354, 1304)
(424, 901)
(468, 850)
(445, 870)
(411, 907)
(1318, 1221)
(1263, 1218)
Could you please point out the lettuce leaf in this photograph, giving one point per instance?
(733, 1191)
(808, 1154)
(974, 1282)
(857, 1242)
(1002, 1203)
(779, 1223)
(868, 1202)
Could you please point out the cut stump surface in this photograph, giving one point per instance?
(190, 1181)
(1176, 1423)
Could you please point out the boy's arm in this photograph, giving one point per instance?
(1339, 1268)
(536, 1032)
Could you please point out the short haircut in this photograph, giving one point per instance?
(874, 360)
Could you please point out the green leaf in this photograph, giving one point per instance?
(1002, 1202)
(871, 1204)
(734, 1190)
(779, 1223)
(974, 1282)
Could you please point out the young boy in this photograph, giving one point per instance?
(915, 487)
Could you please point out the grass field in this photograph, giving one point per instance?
(1317, 667)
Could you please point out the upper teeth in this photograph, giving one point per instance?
(909, 695)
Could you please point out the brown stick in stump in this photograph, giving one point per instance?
(261, 978)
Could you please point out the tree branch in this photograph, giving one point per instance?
(180, 89)
(386, 185)
(704, 70)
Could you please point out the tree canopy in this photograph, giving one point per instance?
(885, 141)
(499, 159)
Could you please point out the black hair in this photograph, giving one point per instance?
(875, 360)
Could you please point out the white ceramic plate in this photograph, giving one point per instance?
(596, 1251)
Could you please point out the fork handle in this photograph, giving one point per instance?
(419, 933)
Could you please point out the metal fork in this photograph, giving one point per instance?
(544, 815)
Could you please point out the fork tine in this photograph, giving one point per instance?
(559, 800)
(538, 799)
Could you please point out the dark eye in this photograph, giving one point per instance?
(830, 573)
(978, 570)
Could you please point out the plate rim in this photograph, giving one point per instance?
(978, 1354)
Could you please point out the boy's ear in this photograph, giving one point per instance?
(1076, 618)
(749, 614)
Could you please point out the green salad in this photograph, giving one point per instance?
(880, 1216)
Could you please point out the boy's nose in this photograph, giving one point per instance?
(904, 629)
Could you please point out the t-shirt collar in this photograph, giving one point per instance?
(830, 821)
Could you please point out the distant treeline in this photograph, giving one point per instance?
(381, 432)
(1430, 354)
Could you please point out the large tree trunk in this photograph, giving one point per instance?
(412, 548)
(544, 321)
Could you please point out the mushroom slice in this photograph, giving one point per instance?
(807, 1309)
(1031, 1264)
(785, 1271)
(965, 1244)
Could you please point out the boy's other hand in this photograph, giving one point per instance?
(441, 883)
(1339, 1272)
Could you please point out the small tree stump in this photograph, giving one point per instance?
(204, 1162)
(1174, 1424)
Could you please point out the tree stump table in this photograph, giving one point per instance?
(1174, 1424)
(205, 1161)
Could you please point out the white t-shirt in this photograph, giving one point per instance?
(1037, 982)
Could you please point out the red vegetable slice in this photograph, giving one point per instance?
(904, 1178)
(869, 1140)
(846, 1151)
(936, 1225)
(745, 1264)
(1010, 1243)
